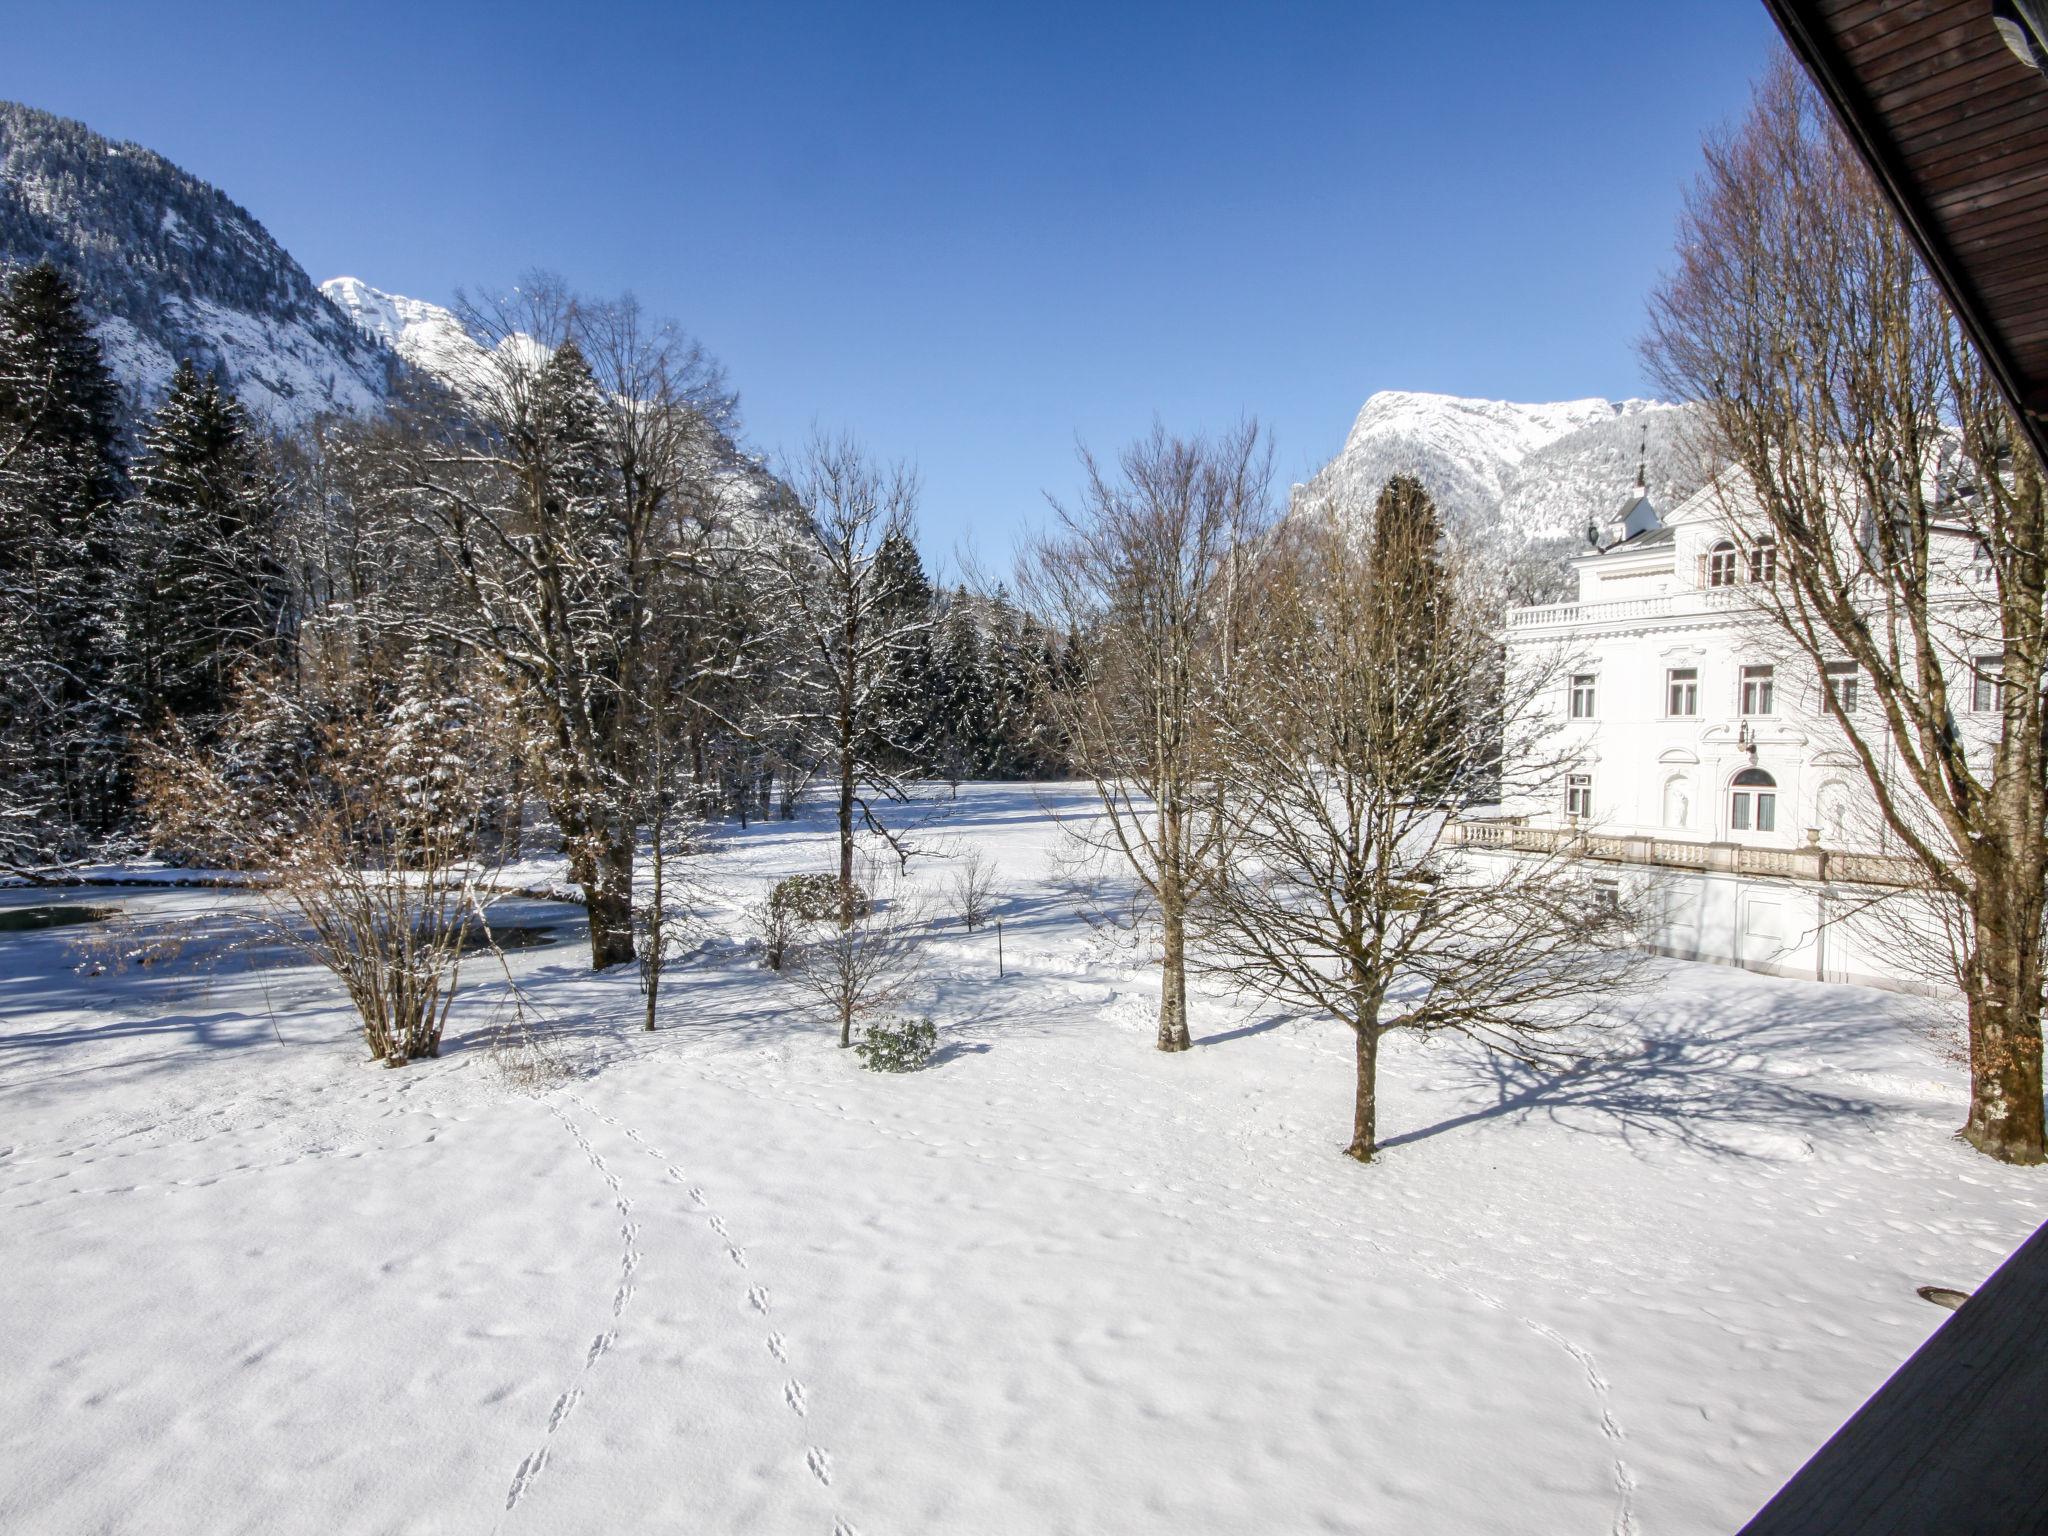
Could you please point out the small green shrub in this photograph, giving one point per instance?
(813, 899)
(898, 1045)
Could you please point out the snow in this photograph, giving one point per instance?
(282, 371)
(720, 1279)
(424, 334)
(1514, 471)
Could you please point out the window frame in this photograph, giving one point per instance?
(1723, 567)
(1578, 795)
(1753, 802)
(1690, 682)
(1763, 561)
(1763, 678)
(1987, 685)
(1582, 687)
(1843, 681)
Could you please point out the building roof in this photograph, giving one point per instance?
(1955, 128)
(1651, 539)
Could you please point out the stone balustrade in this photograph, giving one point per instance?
(1809, 863)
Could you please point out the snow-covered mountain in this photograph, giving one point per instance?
(1513, 474)
(170, 268)
(425, 335)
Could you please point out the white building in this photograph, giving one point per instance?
(1705, 774)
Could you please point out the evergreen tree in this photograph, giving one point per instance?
(202, 524)
(1407, 565)
(907, 720)
(966, 714)
(61, 745)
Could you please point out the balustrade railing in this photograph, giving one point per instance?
(1809, 863)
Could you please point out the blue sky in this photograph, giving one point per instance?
(972, 233)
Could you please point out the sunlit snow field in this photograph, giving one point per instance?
(719, 1279)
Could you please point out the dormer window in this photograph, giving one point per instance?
(1721, 565)
(1763, 561)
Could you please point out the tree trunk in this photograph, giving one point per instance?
(609, 900)
(846, 766)
(2004, 997)
(1173, 979)
(845, 1027)
(1365, 1107)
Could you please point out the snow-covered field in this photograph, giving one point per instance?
(722, 1280)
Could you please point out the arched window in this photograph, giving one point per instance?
(1721, 564)
(1753, 802)
(1763, 561)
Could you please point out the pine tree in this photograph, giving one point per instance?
(202, 523)
(1407, 563)
(61, 747)
(967, 707)
(907, 720)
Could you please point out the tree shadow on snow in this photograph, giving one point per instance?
(1741, 1077)
(1243, 1031)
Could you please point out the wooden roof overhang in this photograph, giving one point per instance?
(1955, 128)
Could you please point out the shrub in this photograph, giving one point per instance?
(778, 929)
(814, 899)
(898, 1045)
(973, 888)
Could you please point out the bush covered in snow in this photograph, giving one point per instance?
(898, 1045)
(814, 898)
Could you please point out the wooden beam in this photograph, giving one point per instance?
(1815, 43)
(1956, 1443)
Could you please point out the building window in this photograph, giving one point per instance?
(1757, 690)
(1753, 802)
(1763, 561)
(1578, 794)
(1984, 687)
(1582, 695)
(1682, 692)
(1844, 680)
(1721, 565)
(1981, 567)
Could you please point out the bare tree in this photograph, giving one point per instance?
(824, 578)
(355, 798)
(1909, 524)
(867, 962)
(1368, 710)
(972, 887)
(1143, 570)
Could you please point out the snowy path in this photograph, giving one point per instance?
(722, 1280)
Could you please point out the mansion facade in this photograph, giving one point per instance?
(1699, 767)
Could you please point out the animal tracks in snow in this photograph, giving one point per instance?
(629, 1263)
(795, 1395)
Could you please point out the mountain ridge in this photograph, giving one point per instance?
(169, 267)
(1537, 470)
